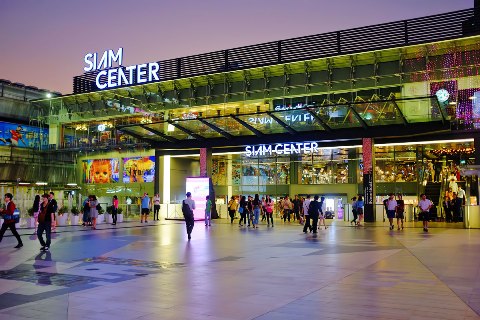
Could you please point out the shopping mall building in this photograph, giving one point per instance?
(373, 110)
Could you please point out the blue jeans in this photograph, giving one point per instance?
(256, 215)
(47, 227)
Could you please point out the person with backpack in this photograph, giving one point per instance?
(306, 214)
(9, 220)
(86, 212)
(188, 205)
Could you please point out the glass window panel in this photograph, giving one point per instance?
(263, 123)
(230, 125)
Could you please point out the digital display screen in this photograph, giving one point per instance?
(100, 171)
(199, 188)
(139, 169)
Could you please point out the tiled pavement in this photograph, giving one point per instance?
(227, 272)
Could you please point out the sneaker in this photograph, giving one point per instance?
(146, 221)
(398, 228)
(42, 249)
(189, 237)
(46, 249)
(18, 246)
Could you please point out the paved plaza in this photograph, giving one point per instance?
(136, 271)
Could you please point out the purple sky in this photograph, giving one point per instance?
(43, 42)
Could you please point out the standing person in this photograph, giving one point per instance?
(257, 207)
(462, 196)
(456, 207)
(156, 206)
(314, 212)
(188, 206)
(36, 211)
(45, 223)
(306, 206)
(52, 207)
(145, 208)
(391, 206)
(232, 208)
(360, 205)
(321, 216)
(447, 207)
(93, 203)
(114, 209)
(297, 204)
(250, 210)
(287, 207)
(208, 211)
(9, 221)
(354, 211)
(424, 204)
(86, 212)
(264, 211)
(400, 211)
(269, 210)
(243, 211)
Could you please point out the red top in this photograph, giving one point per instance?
(10, 210)
(115, 203)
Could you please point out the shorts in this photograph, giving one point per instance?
(390, 214)
(424, 216)
(400, 215)
(145, 211)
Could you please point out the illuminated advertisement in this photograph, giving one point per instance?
(22, 136)
(199, 188)
(281, 148)
(138, 169)
(100, 171)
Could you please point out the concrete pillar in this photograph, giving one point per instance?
(368, 179)
(205, 162)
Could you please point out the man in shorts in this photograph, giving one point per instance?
(391, 206)
(424, 204)
(145, 207)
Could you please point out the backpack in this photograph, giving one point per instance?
(187, 212)
(99, 207)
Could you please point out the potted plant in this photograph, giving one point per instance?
(31, 219)
(109, 216)
(74, 219)
(62, 216)
(119, 215)
(101, 217)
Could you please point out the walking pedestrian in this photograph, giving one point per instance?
(46, 222)
(391, 206)
(269, 210)
(297, 205)
(188, 205)
(314, 212)
(93, 213)
(243, 211)
(53, 207)
(306, 214)
(9, 220)
(257, 204)
(36, 210)
(400, 211)
(208, 211)
(287, 207)
(321, 216)
(354, 211)
(359, 206)
(424, 204)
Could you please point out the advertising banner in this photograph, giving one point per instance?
(138, 169)
(100, 171)
(22, 136)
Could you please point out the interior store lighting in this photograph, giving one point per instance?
(41, 183)
(422, 142)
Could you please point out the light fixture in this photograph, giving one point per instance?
(24, 183)
(41, 183)
(71, 184)
(48, 95)
(170, 128)
(472, 97)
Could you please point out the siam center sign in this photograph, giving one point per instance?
(281, 148)
(110, 77)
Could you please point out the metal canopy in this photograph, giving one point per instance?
(338, 121)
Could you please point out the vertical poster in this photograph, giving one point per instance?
(368, 191)
(138, 169)
(199, 188)
(100, 171)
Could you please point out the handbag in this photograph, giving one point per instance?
(240, 210)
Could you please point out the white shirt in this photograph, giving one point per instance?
(306, 205)
(156, 200)
(461, 193)
(391, 204)
(424, 204)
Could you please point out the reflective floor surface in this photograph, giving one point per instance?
(135, 271)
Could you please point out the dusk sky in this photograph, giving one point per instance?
(43, 42)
